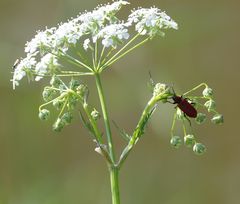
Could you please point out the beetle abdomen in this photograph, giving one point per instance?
(187, 108)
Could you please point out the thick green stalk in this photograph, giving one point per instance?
(140, 126)
(105, 116)
(137, 134)
(114, 171)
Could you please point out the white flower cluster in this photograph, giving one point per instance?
(112, 34)
(151, 21)
(85, 30)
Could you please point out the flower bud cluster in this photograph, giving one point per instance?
(210, 105)
(190, 142)
(191, 104)
(161, 91)
(64, 99)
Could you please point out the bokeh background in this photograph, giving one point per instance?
(38, 166)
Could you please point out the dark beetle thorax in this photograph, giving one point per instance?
(177, 99)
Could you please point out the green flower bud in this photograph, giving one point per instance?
(72, 101)
(73, 84)
(199, 148)
(62, 88)
(180, 115)
(189, 140)
(58, 125)
(201, 117)
(207, 92)
(55, 81)
(95, 114)
(82, 91)
(160, 89)
(58, 103)
(67, 118)
(176, 141)
(210, 105)
(217, 119)
(44, 114)
(48, 94)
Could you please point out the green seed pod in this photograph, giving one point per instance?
(210, 105)
(73, 84)
(58, 103)
(58, 125)
(95, 114)
(176, 141)
(67, 118)
(55, 81)
(201, 117)
(189, 140)
(199, 148)
(160, 89)
(217, 119)
(48, 94)
(207, 92)
(44, 114)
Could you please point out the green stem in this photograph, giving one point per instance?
(114, 56)
(105, 116)
(112, 60)
(114, 171)
(93, 123)
(137, 134)
(195, 88)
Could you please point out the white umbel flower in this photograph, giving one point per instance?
(21, 70)
(85, 30)
(86, 44)
(42, 39)
(113, 34)
(151, 21)
(47, 62)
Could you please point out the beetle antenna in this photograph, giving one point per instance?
(151, 79)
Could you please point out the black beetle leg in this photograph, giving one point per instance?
(188, 119)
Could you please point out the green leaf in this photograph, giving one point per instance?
(122, 132)
(86, 124)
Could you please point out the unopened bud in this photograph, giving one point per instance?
(217, 119)
(58, 125)
(210, 105)
(72, 101)
(180, 115)
(199, 148)
(67, 118)
(48, 94)
(58, 103)
(207, 92)
(176, 141)
(95, 114)
(82, 90)
(160, 89)
(73, 84)
(189, 140)
(44, 114)
(55, 81)
(201, 117)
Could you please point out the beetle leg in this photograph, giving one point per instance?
(188, 119)
(171, 102)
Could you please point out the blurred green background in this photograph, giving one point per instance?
(38, 166)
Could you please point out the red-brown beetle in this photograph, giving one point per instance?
(186, 107)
